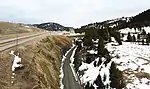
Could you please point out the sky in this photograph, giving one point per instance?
(72, 13)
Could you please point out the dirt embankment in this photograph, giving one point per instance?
(41, 62)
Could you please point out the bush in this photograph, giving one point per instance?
(116, 77)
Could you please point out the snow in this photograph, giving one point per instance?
(132, 30)
(135, 58)
(95, 41)
(113, 39)
(72, 56)
(147, 29)
(114, 25)
(16, 62)
(92, 51)
(91, 73)
(126, 30)
(72, 65)
(143, 83)
(130, 56)
(95, 86)
(61, 73)
(105, 72)
(11, 53)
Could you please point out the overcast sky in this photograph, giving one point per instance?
(69, 12)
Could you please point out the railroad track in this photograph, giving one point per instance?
(9, 43)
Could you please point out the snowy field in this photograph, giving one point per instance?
(134, 61)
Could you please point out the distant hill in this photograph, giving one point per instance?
(13, 28)
(142, 19)
(119, 22)
(51, 26)
(138, 21)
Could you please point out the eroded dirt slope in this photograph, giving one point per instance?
(41, 62)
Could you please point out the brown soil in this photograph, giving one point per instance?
(41, 62)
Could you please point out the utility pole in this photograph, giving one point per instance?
(17, 35)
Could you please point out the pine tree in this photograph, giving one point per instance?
(129, 38)
(143, 32)
(134, 39)
(138, 36)
(117, 37)
(142, 41)
(101, 46)
(116, 77)
(148, 38)
(87, 40)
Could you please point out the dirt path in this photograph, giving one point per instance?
(69, 79)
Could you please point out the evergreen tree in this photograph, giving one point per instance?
(87, 41)
(89, 86)
(138, 36)
(129, 38)
(143, 32)
(148, 38)
(134, 39)
(142, 41)
(101, 46)
(116, 77)
(99, 82)
(117, 37)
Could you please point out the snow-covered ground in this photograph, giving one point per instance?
(91, 72)
(135, 58)
(147, 29)
(132, 30)
(126, 30)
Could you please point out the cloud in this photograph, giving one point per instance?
(68, 12)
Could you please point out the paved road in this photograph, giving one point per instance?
(9, 43)
(69, 80)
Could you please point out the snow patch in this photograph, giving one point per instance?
(16, 62)
(143, 83)
(91, 74)
(92, 51)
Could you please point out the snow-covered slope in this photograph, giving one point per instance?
(133, 60)
(95, 71)
(132, 67)
(108, 23)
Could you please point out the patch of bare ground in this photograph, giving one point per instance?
(130, 75)
(41, 62)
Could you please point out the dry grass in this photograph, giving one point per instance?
(14, 28)
(42, 64)
(129, 75)
(142, 75)
(61, 40)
